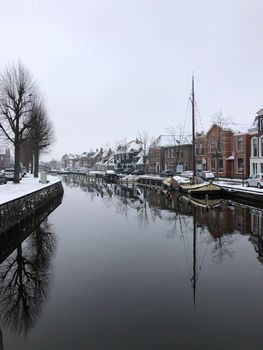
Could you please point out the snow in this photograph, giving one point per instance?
(240, 187)
(28, 184)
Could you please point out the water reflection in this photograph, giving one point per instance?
(222, 219)
(26, 255)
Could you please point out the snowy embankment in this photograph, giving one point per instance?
(239, 187)
(28, 184)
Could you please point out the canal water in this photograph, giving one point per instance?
(121, 268)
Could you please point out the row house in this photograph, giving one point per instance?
(96, 157)
(128, 155)
(69, 161)
(223, 152)
(85, 160)
(256, 135)
(103, 162)
(170, 152)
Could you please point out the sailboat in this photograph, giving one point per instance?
(206, 188)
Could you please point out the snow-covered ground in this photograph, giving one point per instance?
(240, 187)
(28, 184)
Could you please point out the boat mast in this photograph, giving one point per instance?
(193, 127)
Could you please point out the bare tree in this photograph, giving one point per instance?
(16, 91)
(147, 143)
(41, 136)
(177, 142)
(216, 140)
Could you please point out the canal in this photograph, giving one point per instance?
(122, 268)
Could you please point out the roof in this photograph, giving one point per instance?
(172, 140)
(96, 154)
(260, 112)
(132, 146)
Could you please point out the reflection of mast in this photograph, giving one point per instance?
(1, 340)
(194, 278)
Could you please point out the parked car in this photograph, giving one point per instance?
(138, 172)
(119, 171)
(255, 180)
(3, 179)
(128, 170)
(167, 173)
(23, 169)
(207, 175)
(10, 172)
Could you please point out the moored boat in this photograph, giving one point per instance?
(201, 190)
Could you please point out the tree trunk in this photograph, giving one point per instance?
(17, 163)
(36, 162)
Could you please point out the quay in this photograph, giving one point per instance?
(245, 195)
(19, 201)
(231, 190)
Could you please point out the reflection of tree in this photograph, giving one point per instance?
(25, 279)
(222, 248)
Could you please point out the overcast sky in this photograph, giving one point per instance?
(109, 68)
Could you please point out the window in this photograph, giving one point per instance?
(212, 148)
(202, 150)
(220, 146)
(254, 147)
(197, 150)
(212, 164)
(261, 145)
(261, 167)
(254, 167)
(240, 143)
(220, 164)
(261, 124)
(240, 164)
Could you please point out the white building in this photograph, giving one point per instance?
(256, 133)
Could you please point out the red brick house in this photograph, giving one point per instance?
(219, 151)
(170, 152)
(241, 155)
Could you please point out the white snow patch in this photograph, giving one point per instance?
(28, 184)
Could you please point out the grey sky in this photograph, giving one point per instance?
(110, 68)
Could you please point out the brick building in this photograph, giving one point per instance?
(170, 152)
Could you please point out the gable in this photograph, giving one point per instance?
(260, 112)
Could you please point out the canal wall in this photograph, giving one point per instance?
(16, 234)
(15, 211)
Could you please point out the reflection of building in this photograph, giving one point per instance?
(224, 219)
(257, 232)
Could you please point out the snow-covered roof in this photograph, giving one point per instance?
(140, 161)
(110, 160)
(96, 154)
(172, 140)
(132, 146)
(260, 112)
